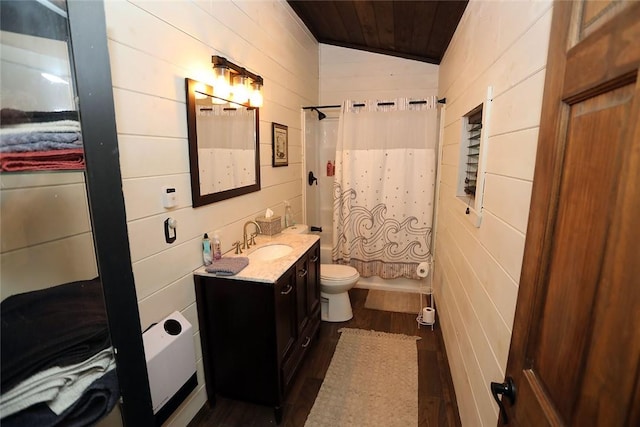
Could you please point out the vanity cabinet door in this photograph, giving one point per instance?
(307, 279)
(239, 339)
(313, 280)
(307, 286)
(285, 313)
(302, 275)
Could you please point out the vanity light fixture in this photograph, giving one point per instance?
(236, 83)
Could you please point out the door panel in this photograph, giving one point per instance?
(575, 348)
(593, 150)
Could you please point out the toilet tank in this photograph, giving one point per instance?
(297, 229)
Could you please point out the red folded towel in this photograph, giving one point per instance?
(43, 160)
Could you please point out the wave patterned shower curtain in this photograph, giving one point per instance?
(384, 187)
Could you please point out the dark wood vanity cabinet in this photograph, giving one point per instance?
(255, 335)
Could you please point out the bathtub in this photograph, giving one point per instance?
(399, 285)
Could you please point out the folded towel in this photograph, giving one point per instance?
(227, 266)
(57, 326)
(58, 386)
(72, 159)
(96, 402)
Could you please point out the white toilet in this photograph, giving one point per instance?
(335, 282)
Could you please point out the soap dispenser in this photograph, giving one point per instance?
(217, 247)
(206, 250)
(288, 215)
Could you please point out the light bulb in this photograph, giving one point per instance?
(256, 99)
(221, 86)
(240, 90)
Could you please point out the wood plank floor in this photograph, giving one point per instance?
(436, 398)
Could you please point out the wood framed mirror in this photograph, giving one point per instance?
(224, 141)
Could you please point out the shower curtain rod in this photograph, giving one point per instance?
(440, 101)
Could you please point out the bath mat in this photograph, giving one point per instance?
(400, 302)
(372, 381)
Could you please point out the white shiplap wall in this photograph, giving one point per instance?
(46, 231)
(153, 47)
(359, 76)
(502, 44)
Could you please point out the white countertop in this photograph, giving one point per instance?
(269, 271)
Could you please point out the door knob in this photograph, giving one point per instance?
(508, 390)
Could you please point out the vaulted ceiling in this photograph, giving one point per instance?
(419, 30)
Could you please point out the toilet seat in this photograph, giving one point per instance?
(337, 274)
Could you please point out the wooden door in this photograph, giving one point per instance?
(575, 349)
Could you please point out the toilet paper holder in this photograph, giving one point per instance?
(427, 314)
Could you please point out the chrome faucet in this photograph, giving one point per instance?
(244, 234)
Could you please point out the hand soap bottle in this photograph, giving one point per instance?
(217, 247)
(206, 250)
(288, 215)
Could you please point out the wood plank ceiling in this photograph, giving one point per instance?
(418, 30)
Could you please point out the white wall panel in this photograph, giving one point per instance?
(513, 154)
(449, 176)
(177, 295)
(508, 199)
(499, 286)
(46, 231)
(522, 57)
(141, 114)
(34, 215)
(451, 155)
(503, 242)
(143, 196)
(143, 156)
(48, 264)
(459, 358)
(519, 108)
(359, 76)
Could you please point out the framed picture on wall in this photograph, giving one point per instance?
(280, 145)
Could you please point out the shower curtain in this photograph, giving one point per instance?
(384, 187)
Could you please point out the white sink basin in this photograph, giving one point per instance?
(270, 252)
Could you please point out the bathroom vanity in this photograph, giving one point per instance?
(257, 326)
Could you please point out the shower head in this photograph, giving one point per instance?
(321, 115)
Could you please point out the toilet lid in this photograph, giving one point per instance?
(337, 272)
(297, 229)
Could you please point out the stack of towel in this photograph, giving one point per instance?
(56, 360)
(31, 140)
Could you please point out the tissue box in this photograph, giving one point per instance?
(269, 226)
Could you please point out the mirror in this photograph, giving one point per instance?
(63, 226)
(223, 146)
